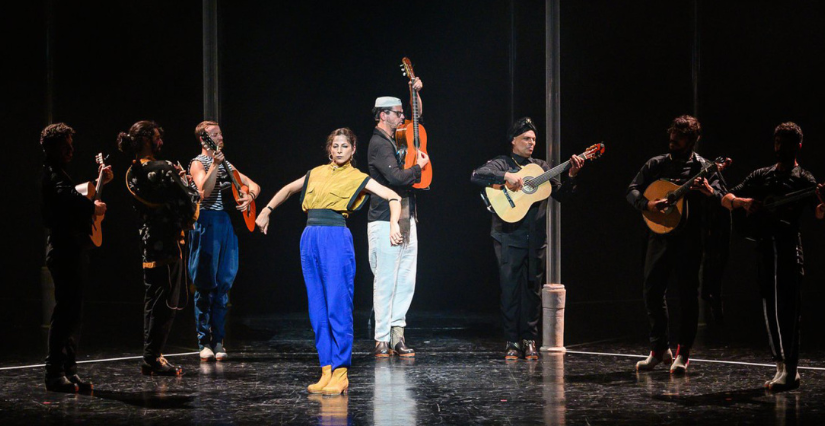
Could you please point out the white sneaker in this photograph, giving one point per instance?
(652, 361)
(207, 354)
(780, 367)
(680, 365)
(787, 380)
(220, 352)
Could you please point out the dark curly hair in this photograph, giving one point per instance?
(54, 134)
(789, 131)
(141, 132)
(345, 132)
(686, 125)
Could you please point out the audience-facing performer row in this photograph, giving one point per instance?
(676, 193)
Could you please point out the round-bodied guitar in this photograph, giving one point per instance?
(512, 206)
(665, 222)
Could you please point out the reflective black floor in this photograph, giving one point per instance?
(458, 377)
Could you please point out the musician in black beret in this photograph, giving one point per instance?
(520, 246)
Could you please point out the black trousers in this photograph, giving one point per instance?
(716, 247)
(780, 273)
(68, 267)
(521, 276)
(681, 255)
(164, 286)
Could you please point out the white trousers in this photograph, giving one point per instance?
(394, 270)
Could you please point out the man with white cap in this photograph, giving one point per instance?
(394, 266)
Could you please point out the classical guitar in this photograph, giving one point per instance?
(237, 185)
(512, 206)
(97, 222)
(669, 220)
(413, 134)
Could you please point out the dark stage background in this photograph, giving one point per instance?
(292, 72)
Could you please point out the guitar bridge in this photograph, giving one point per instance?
(507, 195)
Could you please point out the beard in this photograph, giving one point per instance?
(785, 156)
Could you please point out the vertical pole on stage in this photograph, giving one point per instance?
(211, 98)
(46, 281)
(695, 59)
(553, 294)
(512, 58)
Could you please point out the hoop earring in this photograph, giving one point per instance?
(330, 157)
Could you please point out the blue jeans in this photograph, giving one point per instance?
(213, 264)
(328, 262)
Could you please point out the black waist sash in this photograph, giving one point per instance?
(325, 217)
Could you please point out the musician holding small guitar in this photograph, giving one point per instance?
(774, 198)
(518, 187)
(671, 191)
(68, 215)
(213, 256)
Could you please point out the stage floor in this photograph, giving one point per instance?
(459, 376)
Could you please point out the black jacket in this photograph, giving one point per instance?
(386, 167)
(531, 231)
(66, 214)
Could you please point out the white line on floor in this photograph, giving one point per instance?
(19, 367)
(695, 360)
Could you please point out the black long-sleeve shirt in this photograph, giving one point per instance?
(531, 230)
(385, 166)
(768, 181)
(677, 171)
(66, 213)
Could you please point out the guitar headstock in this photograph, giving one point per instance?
(207, 141)
(100, 160)
(594, 151)
(407, 68)
(722, 163)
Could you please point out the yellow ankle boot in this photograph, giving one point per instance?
(326, 374)
(338, 384)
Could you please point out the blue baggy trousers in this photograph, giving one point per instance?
(328, 263)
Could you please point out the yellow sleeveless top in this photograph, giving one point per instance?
(335, 188)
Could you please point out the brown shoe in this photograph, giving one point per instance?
(530, 352)
(159, 367)
(402, 350)
(382, 350)
(512, 352)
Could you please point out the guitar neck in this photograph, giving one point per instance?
(550, 174)
(414, 101)
(682, 190)
(231, 175)
(794, 196)
(99, 185)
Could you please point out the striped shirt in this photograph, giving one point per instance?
(223, 185)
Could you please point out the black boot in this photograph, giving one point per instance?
(60, 384)
(159, 367)
(530, 351)
(513, 351)
(82, 386)
(382, 350)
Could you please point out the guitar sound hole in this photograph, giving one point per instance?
(527, 188)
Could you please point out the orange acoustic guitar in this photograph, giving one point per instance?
(413, 134)
(237, 184)
(94, 193)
